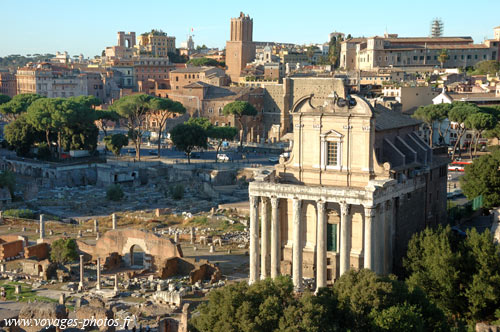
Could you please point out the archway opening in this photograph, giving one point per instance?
(136, 256)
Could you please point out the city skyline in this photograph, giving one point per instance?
(45, 31)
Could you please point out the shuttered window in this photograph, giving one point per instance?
(331, 237)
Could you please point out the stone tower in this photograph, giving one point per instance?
(126, 40)
(240, 49)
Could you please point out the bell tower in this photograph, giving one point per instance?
(240, 49)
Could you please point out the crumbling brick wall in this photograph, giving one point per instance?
(39, 251)
(197, 271)
(11, 249)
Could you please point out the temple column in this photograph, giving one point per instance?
(98, 282)
(113, 220)
(297, 245)
(80, 284)
(321, 245)
(345, 239)
(389, 215)
(254, 239)
(368, 245)
(42, 227)
(379, 240)
(264, 242)
(275, 238)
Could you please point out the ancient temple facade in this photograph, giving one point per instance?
(358, 184)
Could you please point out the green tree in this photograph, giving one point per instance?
(482, 177)
(238, 109)
(460, 275)
(115, 193)
(199, 62)
(4, 99)
(443, 57)
(63, 251)
(188, 136)
(115, 142)
(310, 52)
(200, 121)
(163, 109)
(8, 180)
(222, 134)
(479, 122)
(458, 114)
(266, 306)
(17, 105)
(428, 114)
(380, 302)
(334, 51)
(21, 135)
(490, 67)
(103, 118)
(135, 109)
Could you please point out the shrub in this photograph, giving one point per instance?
(43, 152)
(8, 180)
(177, 191)
(114, 193)
(64, 251)
(19, 213)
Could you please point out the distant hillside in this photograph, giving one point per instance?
(14, 61)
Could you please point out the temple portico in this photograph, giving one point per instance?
(322, 244)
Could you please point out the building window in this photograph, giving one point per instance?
(332, 154)
(331, 150)
(331, 237)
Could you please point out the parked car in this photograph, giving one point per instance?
(153, 152)
(274, 159)
(222, 157)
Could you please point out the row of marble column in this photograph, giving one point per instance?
(375, 256)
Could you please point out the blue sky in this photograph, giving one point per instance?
(88, 26)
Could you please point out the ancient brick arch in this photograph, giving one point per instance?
(121, 241)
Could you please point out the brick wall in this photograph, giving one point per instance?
(11, 249)
(39, 251)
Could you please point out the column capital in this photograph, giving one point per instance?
(275, 201)
(370, 211)
(296, 202)
(321, 205)
(344, 208)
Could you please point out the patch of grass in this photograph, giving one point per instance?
(27, 294)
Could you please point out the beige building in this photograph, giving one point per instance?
(359, 182)
(410, 97)
(240, 49)
(8, 84)
(52, 81)
(393, 51)
(125, 48)
(157, 43)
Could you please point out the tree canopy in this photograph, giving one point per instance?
(459, 113)
(63, 251)
(134, 109)
(115, 142)
(490, 67)
(19, 104)
(482, 177)
(161, 110)
(358, 301)
(200, 62)
(65, 122)
(460, 275)
(220, 134)
(187, 136)
(239, 109)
